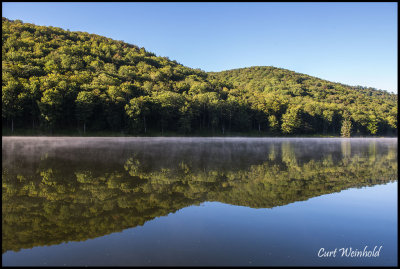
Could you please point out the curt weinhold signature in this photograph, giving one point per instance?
(349, 252)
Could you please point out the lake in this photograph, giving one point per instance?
(199, 201)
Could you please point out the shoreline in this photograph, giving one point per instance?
(255, 134)
(195, 137)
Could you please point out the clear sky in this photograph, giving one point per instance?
(351, 43)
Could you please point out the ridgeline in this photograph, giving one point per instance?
(58, 81)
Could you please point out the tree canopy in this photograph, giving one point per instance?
(54, 79)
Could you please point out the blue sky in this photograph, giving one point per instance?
(351, 43)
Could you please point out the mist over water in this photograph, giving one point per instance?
(68, 189)
(223, 150)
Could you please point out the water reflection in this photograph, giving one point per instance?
(70, 189)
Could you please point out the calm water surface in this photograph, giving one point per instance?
(198, 201)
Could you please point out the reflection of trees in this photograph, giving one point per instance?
(57, 200)
(346, 148)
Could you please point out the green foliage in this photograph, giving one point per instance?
(137, 109)
(372, 124)
(345, 131)
(61, 80)
(50, 106)
(291, 120)
(320, 103)
(273, 123)
(85, 104)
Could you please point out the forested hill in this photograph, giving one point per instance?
(320, 105)
(55, 80)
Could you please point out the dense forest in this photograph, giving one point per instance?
(71, 192)
(56, 80)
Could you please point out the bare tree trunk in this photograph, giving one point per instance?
(84, 127)
(204, 115)
(12, 125)
(230, 119)
(144, 120)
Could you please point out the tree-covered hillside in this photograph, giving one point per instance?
(54, 80)
(300, 103)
